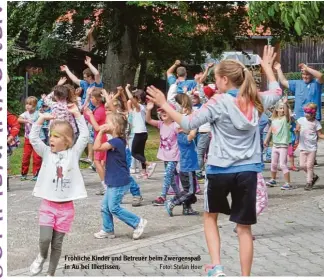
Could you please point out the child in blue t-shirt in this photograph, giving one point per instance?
(188, 164)
(117, 186)
(291, 147)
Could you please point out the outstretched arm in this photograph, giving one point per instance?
(281, 76)
(93, 69)
(71, 75)
(149, 120)
(131, 98)
(205, 75)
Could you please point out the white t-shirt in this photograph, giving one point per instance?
(60, 178)
(205, 127)
(308, 134)
(139, 125)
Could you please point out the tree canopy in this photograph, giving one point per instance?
(162, 31)
(290, 20)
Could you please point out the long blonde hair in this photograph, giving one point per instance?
(119, 123)
(241, 78)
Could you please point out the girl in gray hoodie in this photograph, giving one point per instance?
(234, 157)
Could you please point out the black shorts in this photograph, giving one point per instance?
(242, 187)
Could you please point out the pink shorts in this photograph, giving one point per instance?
(57, 215)
(100, 156)
(290, 150)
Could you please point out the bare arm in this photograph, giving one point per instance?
(93, 69)
(109, 98)
(205, 74)
(173, 67)
(268, 137)
(192, 135)
(71, 75)
(317, 74)
(286, 109)
(281, 76)
(131, 98)
(101, 147)
(148, 118)
(22, 120)
(320, 134)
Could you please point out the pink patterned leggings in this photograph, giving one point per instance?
(306, 163)
(279, 155)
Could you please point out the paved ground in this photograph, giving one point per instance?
(289, 235)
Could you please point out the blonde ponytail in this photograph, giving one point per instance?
(241, 78)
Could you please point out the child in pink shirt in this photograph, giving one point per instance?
(98, 118)
(168, 150)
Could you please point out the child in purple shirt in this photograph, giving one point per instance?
(168, 150)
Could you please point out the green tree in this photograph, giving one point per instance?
(130, 33)
(289, 20)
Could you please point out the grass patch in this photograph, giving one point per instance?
(151, 148)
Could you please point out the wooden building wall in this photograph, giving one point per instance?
(309, 51)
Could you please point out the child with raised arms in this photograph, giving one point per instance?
(234, 159)
(168, 150)
(59, 183)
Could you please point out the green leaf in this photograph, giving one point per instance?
(297, 27)
(304, 18)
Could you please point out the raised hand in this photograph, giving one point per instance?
(87, 60)
(268, 57)
(150, 106)
(89, 91)
(46, 116)
(87, 111)
(285, 100)
(120, 88)
(210, 65)
(62, 81)
(104, 128)
(302, 66)
(64, 68)
(156, 96)
(43, 96)
(177, 62)
(277, 66)
(73, 109)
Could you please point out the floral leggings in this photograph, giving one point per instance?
(170, 170)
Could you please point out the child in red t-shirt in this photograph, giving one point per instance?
(97, 117)
(13, 128)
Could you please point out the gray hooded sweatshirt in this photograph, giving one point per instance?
(235, 135)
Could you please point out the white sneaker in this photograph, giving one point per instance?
(102, 234)
(37, 266)
(151, 169)
(140, 229)
(132, 171)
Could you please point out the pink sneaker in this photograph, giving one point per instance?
(171, 192)
(143, 176)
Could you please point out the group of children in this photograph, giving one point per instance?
(227, 124)
(287, 134)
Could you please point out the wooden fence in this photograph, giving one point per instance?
(309, 51)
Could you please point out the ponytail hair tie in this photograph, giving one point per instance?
(245, 69)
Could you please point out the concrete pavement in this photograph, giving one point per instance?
(289, 235)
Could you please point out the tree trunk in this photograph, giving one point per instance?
(120, 65)
(142, 73)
